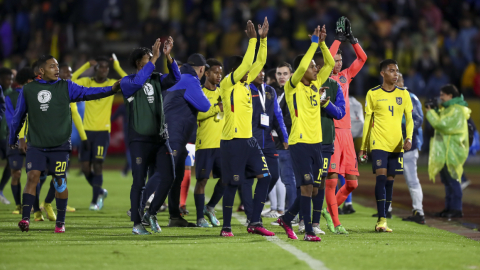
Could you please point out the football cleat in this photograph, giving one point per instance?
(24, 225)
(38, 216)
(210, 213)
(259, 229)
(60, 227)
(152, 219)
(381, 225)
(18, 210)
(348, 209)
(287, 227)
(310, 236)
(129, 213)
(340, 230)
(329, 220)
(3, 199)
(47, 207)
(180, 222)
(203, 223)
(93, 207)
(301, 226)
(140, 230)
(101, 199)
(70, 209)
(183, 210)
(317, 230)
(226, 232)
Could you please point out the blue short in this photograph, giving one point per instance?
(99, 142)
(307, 163)
(208, 161)
(55, 162)
(16, 161)
(391, 161)
(327, 152)
(242, 159)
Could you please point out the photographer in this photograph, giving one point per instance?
(449, 146)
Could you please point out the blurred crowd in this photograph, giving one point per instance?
(435, 41)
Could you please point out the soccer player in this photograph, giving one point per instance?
(335, 110)
(240, 153)
(343, 160)
(207, 145)
(47, 103)
(96, 122)
(6, 81)
(302, 92)
(182, 104)
(385, 106)
(148, 135)
(266, 117)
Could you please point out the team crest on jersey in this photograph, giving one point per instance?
(29, 165)
(334, 165)
(148, 89)
(139, 160)
(174, 153)
(399, 100)
(307, 177)
(268, 95)
(236, 178)
(314, 88)
(43, 97)
(379, 162)
(343, 79)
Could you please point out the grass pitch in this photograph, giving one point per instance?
(103, 240)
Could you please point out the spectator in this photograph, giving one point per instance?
(425, 65)
(435, 83)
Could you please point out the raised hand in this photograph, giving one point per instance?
(323, 34)
(167, 46)
(263, 29)
(251, 33)
(348, 31)
(316, 32)
(340, 33)
(92, 63)
(156, 51)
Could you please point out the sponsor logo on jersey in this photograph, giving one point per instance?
(399, 100)
(343, 79)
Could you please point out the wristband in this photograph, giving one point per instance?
(315, 39)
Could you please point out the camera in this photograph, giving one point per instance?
(432, 103)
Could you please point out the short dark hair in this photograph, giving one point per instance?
(297, 60)
(24, 75)
(5, 71)
(62, 65)
(43, 59)
(102, 59)
(384, 64)
(136, 55)
(450, 89)
(285, 64)
(339, 51)
(271, 74)
(318, 55)
(213, 62)
(234, 62)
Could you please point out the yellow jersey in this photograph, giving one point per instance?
(384, 112)
(237, 97)
(210, 124)
(303, 101)
(97, 112)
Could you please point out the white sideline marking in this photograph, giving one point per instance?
(302, 256)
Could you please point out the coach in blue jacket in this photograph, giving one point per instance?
(182, 103)
(267, 117)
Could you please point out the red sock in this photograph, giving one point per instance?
(345, 190)
(185, 186)
(330, 185)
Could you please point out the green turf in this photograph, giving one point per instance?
(103, 240)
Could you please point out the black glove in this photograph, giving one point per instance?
(85, 146)
(348, 30)
(340, 31)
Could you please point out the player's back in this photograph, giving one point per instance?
(97, 112)
(388, 108)
(237, 107)
(343, 79)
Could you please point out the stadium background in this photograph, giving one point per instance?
(435, 42)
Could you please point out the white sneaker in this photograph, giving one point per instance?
(275, 223)
(266, 211)
(3, 199)
(272, 214)
(317, 230)
(301, 227)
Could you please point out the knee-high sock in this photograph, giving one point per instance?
(16, 191)
(5, 177)
(342, 182)
(228, 199)
(294, 209)
(380, 194)
(388, 194)
(50, 194)
(184, 187)
(318, 205)
(61, 209)
(261, 191)
(247, 197)
(199, 204)
(346, 190)
(217, 194)
(28, 201)
(150, 188)
(36, 202)
(330, 185)
(306, 212)
(90, 178)
(97, 182)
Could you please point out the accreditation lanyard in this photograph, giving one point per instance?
(264, 118)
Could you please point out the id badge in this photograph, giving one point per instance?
(264, 120)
